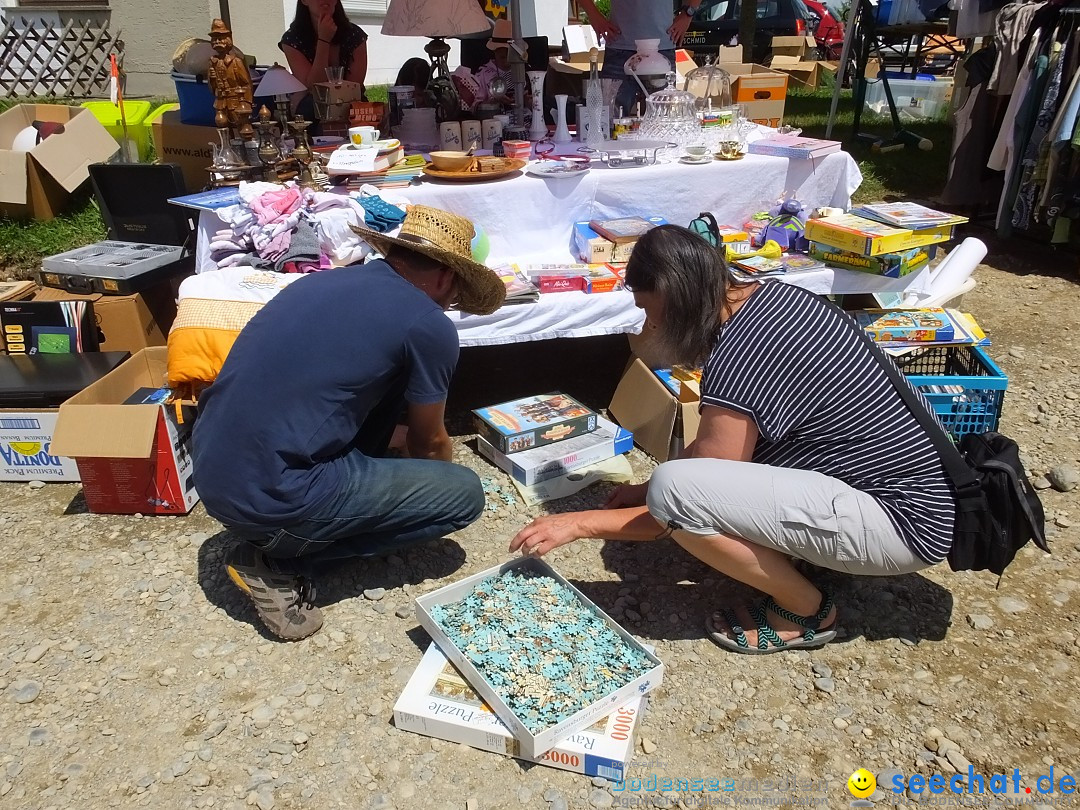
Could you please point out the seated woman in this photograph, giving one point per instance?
(805, 450)
(321, 36)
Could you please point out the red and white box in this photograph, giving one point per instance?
(132, 458)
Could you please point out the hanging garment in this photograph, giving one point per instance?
(1011, 34)
(978, 116)
(1028, 188)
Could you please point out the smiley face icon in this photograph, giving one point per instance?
(861, 784)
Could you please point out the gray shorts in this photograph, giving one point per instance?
(804, 514)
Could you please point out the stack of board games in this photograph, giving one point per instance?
(868, 237)
(522, 424)
(438, 702)
(542, 438)
(612, 240)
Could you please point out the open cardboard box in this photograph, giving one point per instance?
(132, 458)
(26, 447)
(793, 56)
(37, 183)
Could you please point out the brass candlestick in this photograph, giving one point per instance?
(269, 155)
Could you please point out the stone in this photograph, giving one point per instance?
(600, 798)
(404, 612)
(1040, 482)
(375, 594)
(215, 729)
(200, 780)
(825, 685)
(1012, 604)
(647, 745)
(24, 691)
(35, 653)
(1064, 477)
(980, 621)
(36, 484)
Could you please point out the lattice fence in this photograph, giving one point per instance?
(41, 58)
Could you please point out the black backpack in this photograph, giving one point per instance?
(997, 509)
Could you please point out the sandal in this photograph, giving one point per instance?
(769, 640)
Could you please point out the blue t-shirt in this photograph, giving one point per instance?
(642, 19)
(299, 382)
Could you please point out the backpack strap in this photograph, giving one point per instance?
(959, 471)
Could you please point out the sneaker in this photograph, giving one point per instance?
(283, 600)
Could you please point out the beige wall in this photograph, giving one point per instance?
(151, 32)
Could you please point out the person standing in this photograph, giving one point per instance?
(631, 20)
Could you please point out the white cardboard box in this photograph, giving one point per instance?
(25, 444)
(438, 702)
(552, 460)
(534, 745)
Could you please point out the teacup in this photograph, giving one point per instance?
(697, 152)
(363, 136)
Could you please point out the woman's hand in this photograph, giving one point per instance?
(626, 495)
(327, 27)
(546, 533)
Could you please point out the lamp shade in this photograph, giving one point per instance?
(434, 18)
(277, 81)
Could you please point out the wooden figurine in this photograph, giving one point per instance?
(230, 83)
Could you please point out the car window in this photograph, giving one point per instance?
(714, 10)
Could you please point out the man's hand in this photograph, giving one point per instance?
(605, 28)
(327, 27)
(427, 437)
(626, 495)
(546, 533)
(678, 29)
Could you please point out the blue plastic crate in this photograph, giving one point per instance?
(196, 99)
(963, 385)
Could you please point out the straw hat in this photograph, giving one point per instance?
(446, 238)
(501, 36)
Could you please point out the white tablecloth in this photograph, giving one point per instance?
(529, 219)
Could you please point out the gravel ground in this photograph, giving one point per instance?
(132, 674)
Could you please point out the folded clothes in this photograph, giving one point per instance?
(303, 248)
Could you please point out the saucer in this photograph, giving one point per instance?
(694, 161)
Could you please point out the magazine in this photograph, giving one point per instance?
(907, 215)
(519, 289)
(784, 265)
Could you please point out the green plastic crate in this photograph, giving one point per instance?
(138, 135)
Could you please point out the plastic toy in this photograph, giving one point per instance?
(787, 226)
(770, 250)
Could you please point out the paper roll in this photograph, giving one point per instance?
(956, 268)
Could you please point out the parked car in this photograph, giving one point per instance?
(828, 30)
(716, 24)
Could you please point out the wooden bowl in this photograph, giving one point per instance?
(452, 161)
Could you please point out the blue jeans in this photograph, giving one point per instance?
(614, 62)
(384, 503)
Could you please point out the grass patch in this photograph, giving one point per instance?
(904, 174)
(23, 244)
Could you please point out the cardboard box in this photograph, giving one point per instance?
(544, 463)
(132, 458)
(127, 322)
(591, 247)
(769, 113)
(534, 745)
(186, 145)
(754, 83)
(662, 425)
(36, 183)
(438, 702)
(522, 424)
(793, 47)
(26, 447)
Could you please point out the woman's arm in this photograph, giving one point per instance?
(551, 531)
(724, 434)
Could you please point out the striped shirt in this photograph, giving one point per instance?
(793, 364)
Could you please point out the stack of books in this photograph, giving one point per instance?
(400, 174)
(885, 239)
(538, 438)
(610, 240)
(749, 268)
(573, 277)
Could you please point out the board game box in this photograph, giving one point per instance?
(522, 424)
(906, 324)
(892, 265)
(869, 238)
(438, 702)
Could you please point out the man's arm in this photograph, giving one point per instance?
(427, 437)
(601, 24)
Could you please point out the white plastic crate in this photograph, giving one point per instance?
(915, 98)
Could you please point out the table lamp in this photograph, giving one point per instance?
(279, 83)
(437, 19)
